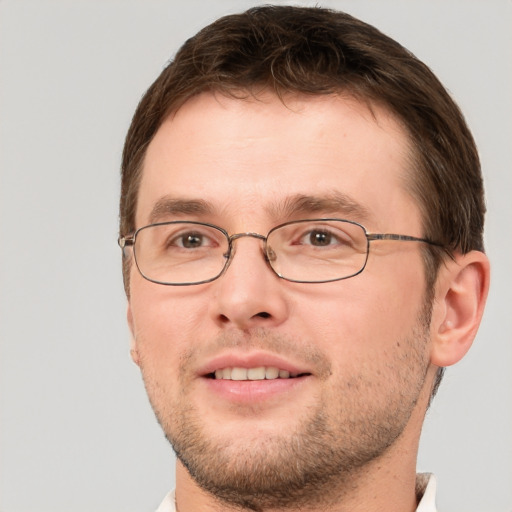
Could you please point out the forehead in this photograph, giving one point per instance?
(250, 157)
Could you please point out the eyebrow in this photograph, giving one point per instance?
(335, 203)
(169, 206)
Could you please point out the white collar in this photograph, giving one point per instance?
(426, 484)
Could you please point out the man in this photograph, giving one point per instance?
(301, 223)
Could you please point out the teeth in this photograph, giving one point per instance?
(259, 373)
(271, 373)
(238, 374)
(256, 373)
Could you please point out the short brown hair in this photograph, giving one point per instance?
(310, 50)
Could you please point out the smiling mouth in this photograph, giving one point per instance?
(258, 373)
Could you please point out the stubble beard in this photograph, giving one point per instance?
(329, 445)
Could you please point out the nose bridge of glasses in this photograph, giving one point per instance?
(249, 234)
(236, 236)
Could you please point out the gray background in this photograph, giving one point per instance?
(76, 432)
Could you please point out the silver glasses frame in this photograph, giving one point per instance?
(129, 241)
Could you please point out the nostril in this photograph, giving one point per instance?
(224, 319)
(263, 314)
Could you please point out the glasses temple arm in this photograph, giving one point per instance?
(401, 238)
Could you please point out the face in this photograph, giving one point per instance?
(356, 351)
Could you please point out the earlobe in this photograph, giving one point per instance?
(461, 292)
(134, 353)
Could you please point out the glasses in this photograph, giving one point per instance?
(183, 253)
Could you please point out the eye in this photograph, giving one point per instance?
(191, 240)
(322, 237)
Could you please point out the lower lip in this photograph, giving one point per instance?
(253, 391)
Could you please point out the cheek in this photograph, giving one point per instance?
(363, 318)
(164, 319)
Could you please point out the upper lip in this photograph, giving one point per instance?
(251, 360)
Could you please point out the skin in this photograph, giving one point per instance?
(369, 345)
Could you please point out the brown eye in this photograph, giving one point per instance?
(190, 240)
(320, 238)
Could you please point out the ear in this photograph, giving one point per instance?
(134, 353)
(461, 292)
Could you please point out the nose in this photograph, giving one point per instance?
(249, 294)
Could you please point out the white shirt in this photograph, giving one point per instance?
(425, 482)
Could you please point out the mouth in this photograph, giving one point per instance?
(251, 378)
(252, 374)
